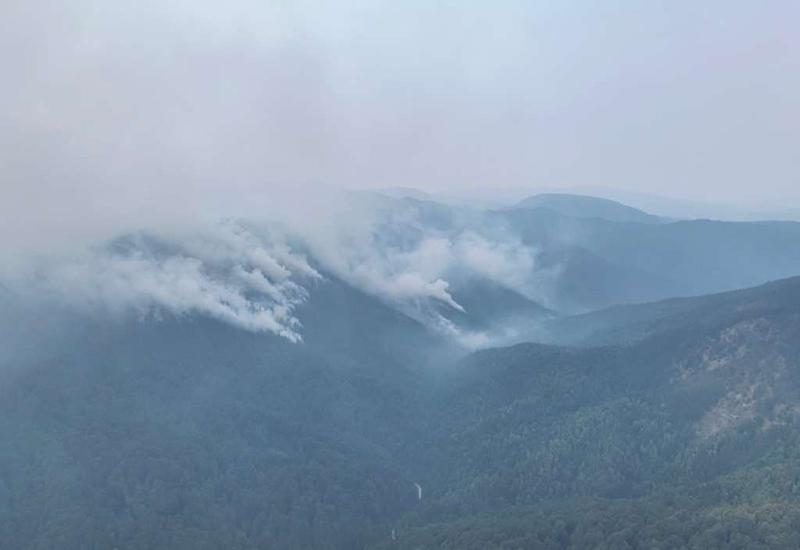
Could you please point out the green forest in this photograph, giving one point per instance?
(192, 434)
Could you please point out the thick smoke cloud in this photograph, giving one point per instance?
(410, 254)
(254, 274)
(227, 273)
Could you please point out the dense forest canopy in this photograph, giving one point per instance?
(671, 424)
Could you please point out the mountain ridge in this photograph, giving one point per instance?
(585, 206)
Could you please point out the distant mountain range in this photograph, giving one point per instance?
(578, 206)
(592, 253)
(662, 206)
(603, 262)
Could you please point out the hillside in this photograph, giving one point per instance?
(189, 433)
(688, 437)
(602, 263)
(244, 387)
(631, 323)
(186, 432)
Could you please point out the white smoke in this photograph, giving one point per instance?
(408, 254)
(227, 273)
(249, 275)
(506, 262)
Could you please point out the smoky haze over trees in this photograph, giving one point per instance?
(280, 275)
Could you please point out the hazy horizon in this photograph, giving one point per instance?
(147, 110)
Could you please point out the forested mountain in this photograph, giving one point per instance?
(686, 438)
(588, 253)
(631, 323)
(186, 432)
(381, 275)
(575, 254)
(257, 386)
(602, 263)
(190, 433)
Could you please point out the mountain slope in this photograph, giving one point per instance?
(699, 419)
(187, 432)
(631, 323)
(244, 389)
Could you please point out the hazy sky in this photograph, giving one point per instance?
(145, 107)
